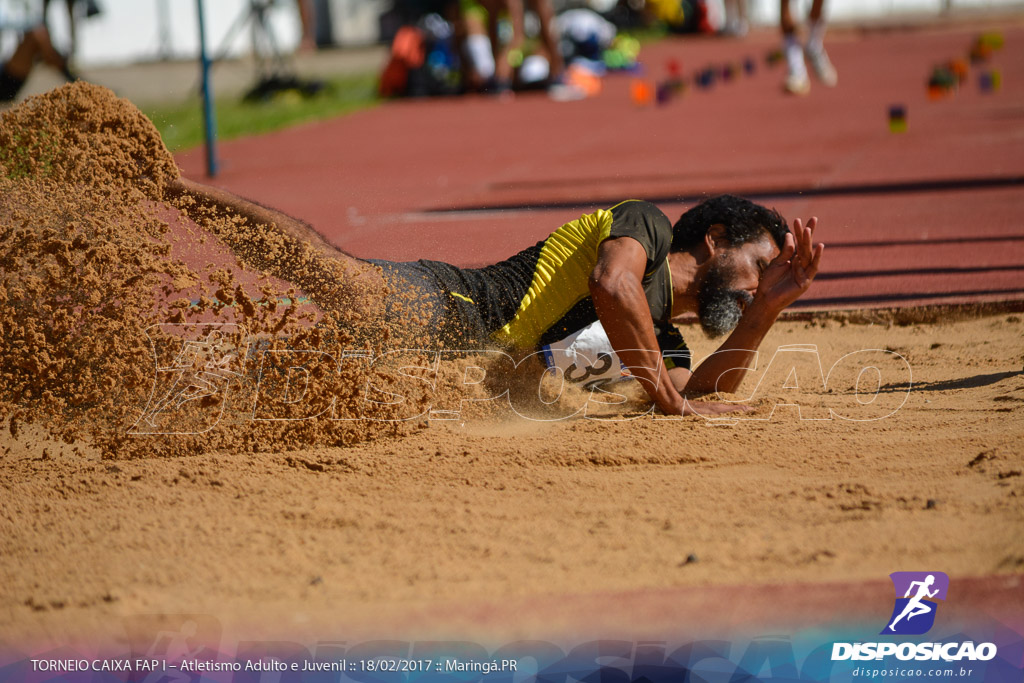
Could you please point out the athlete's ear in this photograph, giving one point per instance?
(715, 239)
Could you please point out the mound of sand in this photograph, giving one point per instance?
(109, 277)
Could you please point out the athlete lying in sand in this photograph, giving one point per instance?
(733, 263)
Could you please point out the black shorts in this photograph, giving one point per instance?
(9, 85)
(427, 311)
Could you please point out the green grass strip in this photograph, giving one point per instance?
(181, 124)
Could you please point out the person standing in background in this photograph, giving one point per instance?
(34, 46)
(91, 10)
(509, 56)
(797, 81)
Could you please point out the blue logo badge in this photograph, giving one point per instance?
(916, 593)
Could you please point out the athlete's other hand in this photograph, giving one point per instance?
(791, 273)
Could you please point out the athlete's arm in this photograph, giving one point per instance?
(783, 282)
(617, 291)
(224, 201)
(725, 369)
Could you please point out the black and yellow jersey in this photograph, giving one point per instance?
(542, 294)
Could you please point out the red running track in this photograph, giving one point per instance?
(935, 214)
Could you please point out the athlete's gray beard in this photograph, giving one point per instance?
(718, 305)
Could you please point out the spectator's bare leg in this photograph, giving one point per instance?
(816, 54)
(786, 19)
(816, 10)
(308, 41)
(34, 45)
(796, 81)
(503, 67)
(548, 36)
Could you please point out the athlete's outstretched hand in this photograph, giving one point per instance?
(791, 273)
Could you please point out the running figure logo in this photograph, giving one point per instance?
(914, 613)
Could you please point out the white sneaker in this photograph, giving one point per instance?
(566, 92)
(823, 68)
(797, 84)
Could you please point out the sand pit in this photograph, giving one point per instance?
(307, 525)
(483, 511)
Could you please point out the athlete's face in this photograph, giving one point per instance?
(730, 283)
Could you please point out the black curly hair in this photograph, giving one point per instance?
(744, 222)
